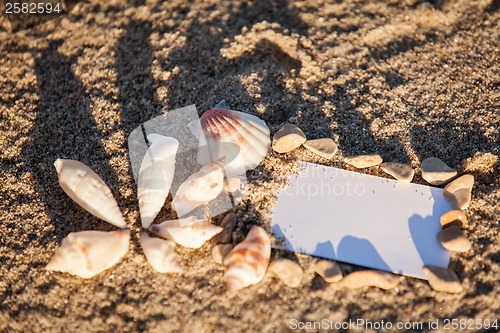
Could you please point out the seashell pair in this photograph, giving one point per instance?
(189, 232)
(230, 142)
(247, 262)
(88, 253)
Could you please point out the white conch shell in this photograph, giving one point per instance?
(247, 263)
(155, 176)
(89, 191)
(161, 254)
(191, 232)
(200, 188)
(88, 253)
(249, 132)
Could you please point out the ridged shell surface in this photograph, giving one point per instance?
(88, 253)
(249, 132)
(191, 233)
(160, 254)
(89, 191)
(247, 263)
(155, 176)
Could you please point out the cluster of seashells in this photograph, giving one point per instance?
(230, 143)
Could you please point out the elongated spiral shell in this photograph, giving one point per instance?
(89, 191)
(192, 233)
(161, 254)
(88, 253)
(247, 263)
(155, 176)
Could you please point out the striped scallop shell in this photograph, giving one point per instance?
(247, 263)
(88, 253)
(248, 132)
(189, 232)
(155, 176)
(89, 191)
(161, 254)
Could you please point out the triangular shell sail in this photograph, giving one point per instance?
(89, 191)
(88, 253)
(155, 176)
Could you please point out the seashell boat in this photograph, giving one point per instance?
(160, 254)
(155, 176)
(189, 232)
(89, 191)
(88, 253)
(247, 263)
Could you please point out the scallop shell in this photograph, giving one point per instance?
(249, 132)
(189, 232)
(155, 176)
(161, 254)
(200, 188)
(89, 191)
(247, 263)
(88, 253)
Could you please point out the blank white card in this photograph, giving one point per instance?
(361, 219)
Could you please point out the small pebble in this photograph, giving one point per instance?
(220, 251)
(289, 272)
(323, 147)
(330, 271)
(453, 217)
(402, 172)
(232, 184)
(371, 278)
(442, 279)
(288, 138)
(436, 172)
(228, 223)
(364, 161)
(459, 192)
(454, 240)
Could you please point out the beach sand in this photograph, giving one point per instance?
(406, 79)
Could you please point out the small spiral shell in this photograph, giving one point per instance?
(247, 263)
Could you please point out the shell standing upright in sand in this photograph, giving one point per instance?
(200, 188)
(160, 254)
(89, 191)
(155, 176)
(247, 263)
(88, 253)
(248, 132)
(191, 233)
